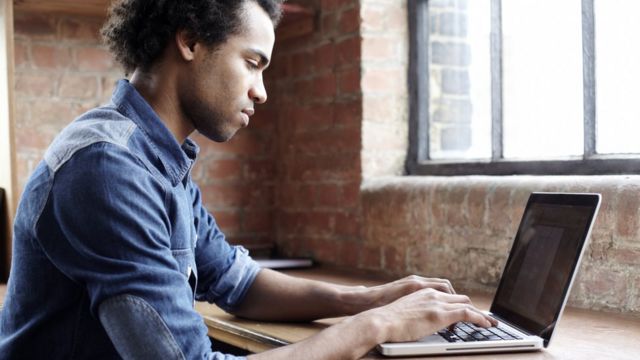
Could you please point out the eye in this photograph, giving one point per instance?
(253, 64)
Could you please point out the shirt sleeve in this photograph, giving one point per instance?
(111, 234)
(225, 272)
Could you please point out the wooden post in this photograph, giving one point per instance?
(7, 144)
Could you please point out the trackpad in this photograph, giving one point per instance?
(433, 339)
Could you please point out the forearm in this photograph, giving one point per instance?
(276, 296)
(350, 339)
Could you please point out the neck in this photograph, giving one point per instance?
(160, 92)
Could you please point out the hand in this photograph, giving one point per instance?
(424, 312)
(367, 298)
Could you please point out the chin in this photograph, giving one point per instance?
(218, 136)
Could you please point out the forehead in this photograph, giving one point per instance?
(256, 28)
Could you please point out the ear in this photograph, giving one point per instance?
(186, 45)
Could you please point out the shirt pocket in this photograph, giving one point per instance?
(186, 266)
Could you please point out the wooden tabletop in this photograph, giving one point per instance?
(580, 334)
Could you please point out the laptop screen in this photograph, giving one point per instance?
(542, 262)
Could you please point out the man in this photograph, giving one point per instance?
(112, 245)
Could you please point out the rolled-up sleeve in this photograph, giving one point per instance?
(225, 272)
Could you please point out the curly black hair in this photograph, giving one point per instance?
(137, 31)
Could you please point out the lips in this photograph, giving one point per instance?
(246, 114)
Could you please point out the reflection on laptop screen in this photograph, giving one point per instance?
(541, 263)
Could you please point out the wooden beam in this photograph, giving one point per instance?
(7, 147)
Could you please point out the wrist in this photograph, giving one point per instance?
(354, 299)
(376, 324)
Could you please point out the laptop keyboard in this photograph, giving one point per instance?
(464, 332)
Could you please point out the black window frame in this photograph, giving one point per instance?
(418, 160)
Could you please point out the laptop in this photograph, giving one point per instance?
(534, 286)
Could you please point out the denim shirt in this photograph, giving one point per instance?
(112, 246)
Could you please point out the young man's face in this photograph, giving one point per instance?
(219, 94)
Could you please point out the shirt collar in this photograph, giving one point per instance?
(176, 159)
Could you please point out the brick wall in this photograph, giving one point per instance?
(462, 228)
(316, 85)
(60, 72)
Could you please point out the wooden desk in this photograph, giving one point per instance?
(580, 334)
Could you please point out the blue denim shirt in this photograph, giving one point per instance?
(112, 246)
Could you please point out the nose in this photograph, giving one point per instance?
(258, 93)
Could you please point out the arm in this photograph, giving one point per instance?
(276, 296)
(409, 318)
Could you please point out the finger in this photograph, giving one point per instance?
(455, 299)
(470, 314)
(443, 285)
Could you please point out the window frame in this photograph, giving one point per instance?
(419, 162)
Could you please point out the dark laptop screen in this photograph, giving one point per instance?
(543, 259)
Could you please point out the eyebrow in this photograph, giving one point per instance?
(264, 59)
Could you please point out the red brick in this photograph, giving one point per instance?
(349, 254)
(313, 117)
(348, 51)
(52, 113)
(78, 86)
(262, 170)
(33, 138)
(350, 20)
(36, 27)
(328, 141)
(329, 25)
(349, 81)
(329, 167)
(325, 56)
(33, 84)
(324, 86)
(347, 225)
(81, 29)
(107, 87)
(624, 256)
(393, 259)
(224, 169)
(229, 221)
(301, 64)
(350, 194)
(224, 195)
(370, 258)
(93, 59)
(258, 221)
(50, 57)
(327, 195)
(349, 114)
(330, 5)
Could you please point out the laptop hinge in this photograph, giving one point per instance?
(501, 319)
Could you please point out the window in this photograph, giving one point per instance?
(524, 87)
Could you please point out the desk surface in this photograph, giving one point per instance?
(581, 334)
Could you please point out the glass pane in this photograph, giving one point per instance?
(459, 79)
(542, 79)
(617, 76)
